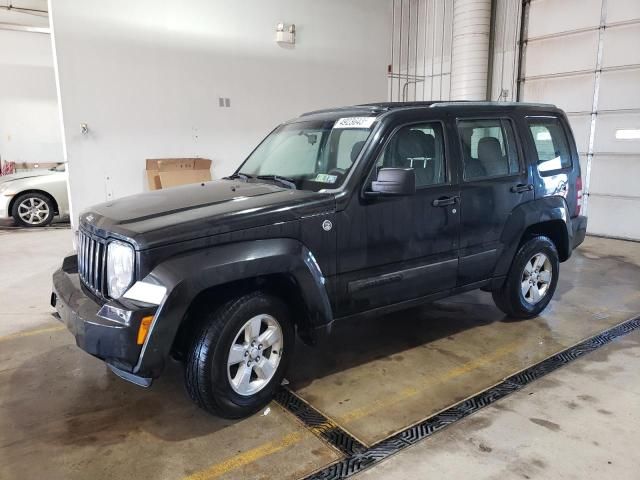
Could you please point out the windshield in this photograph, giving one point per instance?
(311, 155)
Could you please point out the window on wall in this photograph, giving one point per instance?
(420, 147)
(488, 148)
(551, 144)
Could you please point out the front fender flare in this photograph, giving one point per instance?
(187, 275)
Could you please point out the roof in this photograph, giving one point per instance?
(382, 107)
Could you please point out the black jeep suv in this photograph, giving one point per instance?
(338, 213)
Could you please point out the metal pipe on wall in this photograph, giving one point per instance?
(400, 47)
(393, 42)
(422, 34)
(470, 62)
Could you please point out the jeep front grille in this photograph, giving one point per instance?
(92, 262)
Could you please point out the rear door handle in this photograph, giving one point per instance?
(521, 187)
(444, 201)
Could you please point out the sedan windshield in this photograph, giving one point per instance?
(308, 155)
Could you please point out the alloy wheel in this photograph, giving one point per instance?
(33, 210)
(254, 355)
(536, 278)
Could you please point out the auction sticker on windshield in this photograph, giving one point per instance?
(326, 178)
(355, 122)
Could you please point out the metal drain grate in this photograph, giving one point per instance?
(358, 457)
(319, 424)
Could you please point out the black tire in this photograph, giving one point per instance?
(509, 298)
(206, 375)
(37, 198)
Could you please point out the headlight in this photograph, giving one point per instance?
(119, 268)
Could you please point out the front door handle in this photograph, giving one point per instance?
(444, 201)
(521, 187)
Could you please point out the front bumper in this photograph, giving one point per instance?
(95, 332)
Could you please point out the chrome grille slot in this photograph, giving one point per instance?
(92, 262)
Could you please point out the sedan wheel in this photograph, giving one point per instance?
(33, 210)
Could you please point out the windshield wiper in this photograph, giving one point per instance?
(243, 176)
(287, 182)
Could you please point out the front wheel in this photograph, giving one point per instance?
(239, 356)
(33, 210)
(531, 281)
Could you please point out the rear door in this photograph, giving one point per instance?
(494, 181)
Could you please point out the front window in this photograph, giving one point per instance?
(311, 155)
(420, 147)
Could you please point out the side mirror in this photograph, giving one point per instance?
(394, 181)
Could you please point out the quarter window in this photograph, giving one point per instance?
(350, 143)
(488, 148)
(420, 147)
(551, 144)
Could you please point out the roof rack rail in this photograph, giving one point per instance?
(371, 108)
(472, 103)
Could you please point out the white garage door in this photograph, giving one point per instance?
(584, 56)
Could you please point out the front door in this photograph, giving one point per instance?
(395, 249)
(494, 181)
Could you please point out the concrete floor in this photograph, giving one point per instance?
(580, 421)
(380, 376)
(63, 415)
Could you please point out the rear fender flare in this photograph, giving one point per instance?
(524, 216)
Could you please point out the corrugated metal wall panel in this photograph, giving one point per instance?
(548, 17)
(421, 50)
(583, 56)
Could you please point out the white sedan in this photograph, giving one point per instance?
(34, 198)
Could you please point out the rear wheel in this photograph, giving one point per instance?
(531, 281)
(33, 210)
(239, 356)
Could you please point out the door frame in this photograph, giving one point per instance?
(392, 272)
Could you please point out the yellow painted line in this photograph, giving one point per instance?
(29, 333)
(250, 456)
(245, 458)
(405, 394)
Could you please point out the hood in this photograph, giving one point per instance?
(21, 175)
(193, 211)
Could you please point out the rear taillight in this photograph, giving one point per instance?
(578, 195)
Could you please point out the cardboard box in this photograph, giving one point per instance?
(171, 172)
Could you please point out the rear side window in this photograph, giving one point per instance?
(488, 147)
(551, 144)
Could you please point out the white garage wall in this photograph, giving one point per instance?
(29, 126)
(146, 76)
(583, 55)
